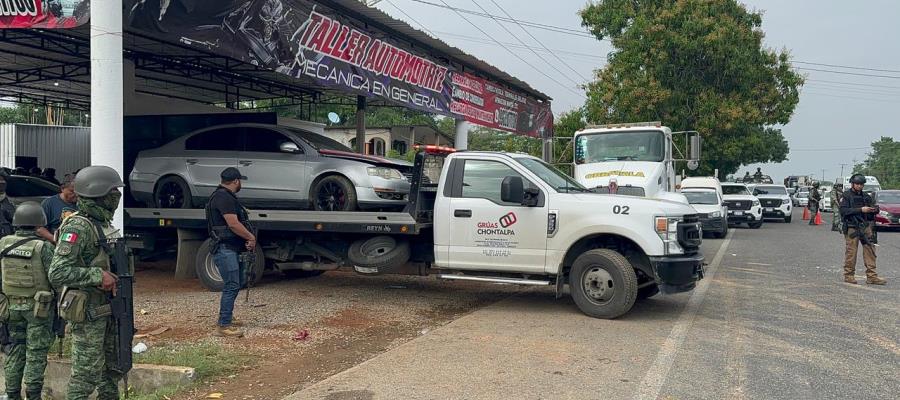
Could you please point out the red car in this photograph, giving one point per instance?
(889, 202)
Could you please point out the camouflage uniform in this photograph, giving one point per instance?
(31, 336)
(7, 209)
(75, 265)
(836, 222)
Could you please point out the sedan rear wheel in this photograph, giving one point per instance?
(172, 192)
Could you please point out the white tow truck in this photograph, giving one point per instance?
(479, 216)
(635, 159)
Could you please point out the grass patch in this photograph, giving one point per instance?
(208, 359)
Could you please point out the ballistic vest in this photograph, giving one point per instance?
(24, 273)
(101, 260)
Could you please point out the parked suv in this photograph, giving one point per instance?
(743, 207)
(775, 201)
(286, 168)
(711, 209)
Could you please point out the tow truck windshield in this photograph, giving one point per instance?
(620, 146)
(552, 176)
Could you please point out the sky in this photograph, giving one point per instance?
(839, 114)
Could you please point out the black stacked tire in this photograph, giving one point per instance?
(380, 252)
(209, 274)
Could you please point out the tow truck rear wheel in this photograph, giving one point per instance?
(209, 274)
(603, 283)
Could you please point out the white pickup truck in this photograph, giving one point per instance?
(482, 216)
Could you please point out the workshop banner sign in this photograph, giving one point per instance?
(484, 103)
(44, 14)
(316, 44)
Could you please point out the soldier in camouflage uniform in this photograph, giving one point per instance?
(836, 223)
(25, 259)
(80, 264)
(7, 209)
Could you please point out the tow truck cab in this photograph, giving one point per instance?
(514, 214)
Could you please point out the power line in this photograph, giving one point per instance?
(576, 83)
(828, 86)
(845, 66)
(833, 149)
(516, 45)
(848, 73)
(514, 53)
(536, 39)
(553, 28)
(411, 18)
(854, 84)
(852, 97)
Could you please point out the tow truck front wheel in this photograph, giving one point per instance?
(603, 284)
(209, 274)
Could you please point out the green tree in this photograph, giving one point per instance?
(883, 163)
(695, 65)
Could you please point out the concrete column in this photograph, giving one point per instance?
(547, 150)
(462, 135)
(107, 100)
(361, 124)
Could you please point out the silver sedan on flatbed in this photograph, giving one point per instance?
(286, 168)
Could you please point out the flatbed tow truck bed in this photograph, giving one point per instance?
(401, 223)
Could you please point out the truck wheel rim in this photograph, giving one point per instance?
(211, 270)
(598, 285)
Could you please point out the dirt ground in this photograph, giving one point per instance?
(350, 318)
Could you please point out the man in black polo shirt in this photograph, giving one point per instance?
(229, 224)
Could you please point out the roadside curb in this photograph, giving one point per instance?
(143, 378)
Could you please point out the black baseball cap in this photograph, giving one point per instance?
(232, 173)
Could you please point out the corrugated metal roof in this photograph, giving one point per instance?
(412, 34)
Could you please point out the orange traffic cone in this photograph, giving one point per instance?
(805, 214)
(818, 220)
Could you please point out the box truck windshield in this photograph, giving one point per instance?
(620, 146)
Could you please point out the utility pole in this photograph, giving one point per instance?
(842, 170)
(823, 174)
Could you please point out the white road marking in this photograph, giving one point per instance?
(764, 265)
(653, 381)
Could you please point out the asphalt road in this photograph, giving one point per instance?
(771, 321)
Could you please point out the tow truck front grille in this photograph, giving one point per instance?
(689, 234)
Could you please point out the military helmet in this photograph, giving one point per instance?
(858, 178)
(97, 181)
(816, 184)
(29, 213)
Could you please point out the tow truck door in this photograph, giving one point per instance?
(486, 233)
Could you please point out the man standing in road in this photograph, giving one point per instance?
(814, 197)
(7, 210)
(229, 228)
(24, 258)
(58, 207)
(836, 195)
(81, 265)
(858, 212)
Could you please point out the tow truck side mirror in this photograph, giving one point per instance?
(512, 190)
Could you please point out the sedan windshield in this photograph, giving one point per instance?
(889, 198)
(620, 146)
(558, 180)
(318, 141)
(772, 190)
(735, 189)
(701, 197)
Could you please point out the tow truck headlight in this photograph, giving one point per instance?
(755, 203)
(384, 173)
(715, 214)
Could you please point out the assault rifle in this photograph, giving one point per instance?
(247, 261)
(122, 306)
(59, 328)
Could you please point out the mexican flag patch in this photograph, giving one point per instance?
(69, 237)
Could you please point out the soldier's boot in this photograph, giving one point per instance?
(33, 394)
(875, 280)
(14, 395)
(850, 279)
(229, 331)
